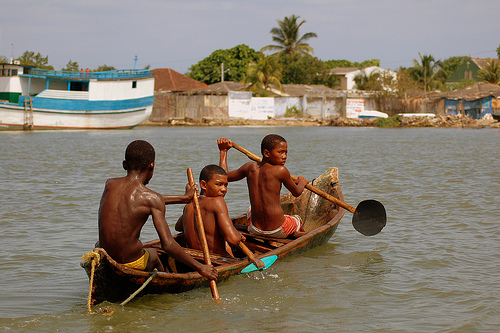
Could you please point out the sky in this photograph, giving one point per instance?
(178, 34)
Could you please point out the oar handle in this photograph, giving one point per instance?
(251, 256)
(201, 234)
(311, 188)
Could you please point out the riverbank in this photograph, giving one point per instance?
(395, 121)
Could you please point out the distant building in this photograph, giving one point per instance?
(469, 70)
(476, 100)
(347, 74)
(168, 83)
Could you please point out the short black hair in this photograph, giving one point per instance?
(138, 155)
(270, 141)
(210, 170)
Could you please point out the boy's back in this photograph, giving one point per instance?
(124, 208)
(264, 186)
(264, 180)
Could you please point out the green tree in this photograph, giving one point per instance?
(29, 58)
(405, 86)
(370, 82)
(235, 62)
(347, 63)
(425, 71)
(263, 75)
(71, 66)
(498, 51)
(3, 60)
(287, 38)
(104, 68)
(490, 74)
(305, 69)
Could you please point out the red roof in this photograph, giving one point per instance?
(169, 80)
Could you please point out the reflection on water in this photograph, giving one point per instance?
(433, 268)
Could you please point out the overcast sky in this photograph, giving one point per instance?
(178, 34)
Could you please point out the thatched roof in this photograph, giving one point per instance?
(470, 93)
(219, 88)
(484, 63)
(299, 90)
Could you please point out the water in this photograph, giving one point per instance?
(434, 268)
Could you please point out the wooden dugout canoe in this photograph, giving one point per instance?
(114, 282)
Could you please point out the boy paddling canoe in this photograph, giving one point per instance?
(125, 207)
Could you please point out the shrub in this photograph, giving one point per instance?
(293, 111)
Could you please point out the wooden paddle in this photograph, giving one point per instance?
(257, 262)
(369, 217)
(201, 235)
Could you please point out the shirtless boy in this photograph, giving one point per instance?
(125, 207)
(264, 180)
(216, 222)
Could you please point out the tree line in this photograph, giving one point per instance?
(293, 63)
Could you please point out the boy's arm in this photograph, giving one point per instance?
(224, 222)
(296, 188)
(224, 145)
(179, 226)
(171, 246)
(179, 199)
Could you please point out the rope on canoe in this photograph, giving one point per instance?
(94, 258)
(140, 288)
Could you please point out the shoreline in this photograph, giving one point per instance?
(439, 121)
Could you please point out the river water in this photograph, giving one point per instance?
(434, 268)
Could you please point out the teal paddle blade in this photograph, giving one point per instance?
(268, 261)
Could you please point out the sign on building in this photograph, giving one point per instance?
(354, 107)
(243, 105)
(240, 104)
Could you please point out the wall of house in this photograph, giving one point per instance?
(321, 105)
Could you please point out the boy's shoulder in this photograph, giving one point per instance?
(213, 203)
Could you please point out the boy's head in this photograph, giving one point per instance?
(213, 181)
(270, 142)
(138, 156)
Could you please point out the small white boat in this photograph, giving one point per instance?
(417, 114)
(372, 114)
(32, 98)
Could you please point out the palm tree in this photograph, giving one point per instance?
(370, 81)
(425, 71)
(263, 74)
(491, 73)
(287, 37)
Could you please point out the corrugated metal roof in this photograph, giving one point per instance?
(470, 93)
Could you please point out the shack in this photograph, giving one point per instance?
(476, 100)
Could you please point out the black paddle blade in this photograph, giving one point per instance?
(369, 217)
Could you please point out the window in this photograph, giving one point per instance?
(134, 84)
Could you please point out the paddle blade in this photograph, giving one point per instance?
(268, 261)
(369, 217)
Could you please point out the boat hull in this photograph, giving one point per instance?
(114, 282)
(13, 117)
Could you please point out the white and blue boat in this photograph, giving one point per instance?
(32, 98)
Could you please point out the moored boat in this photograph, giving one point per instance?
(114, 282)
(32, 98)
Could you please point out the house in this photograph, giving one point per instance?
(469, 70)
(476, 100)
(168, 83)
(347, 74)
